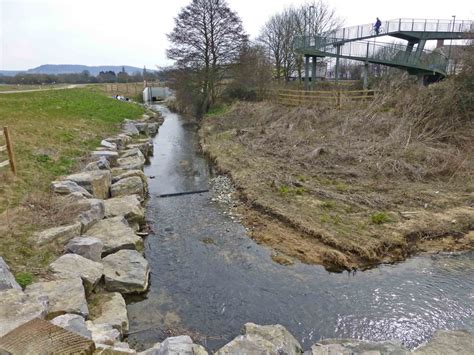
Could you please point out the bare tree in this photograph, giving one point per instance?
(279, 33)
(207, 37)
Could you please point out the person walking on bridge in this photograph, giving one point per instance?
(377, 25)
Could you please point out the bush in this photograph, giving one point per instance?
(24, 279)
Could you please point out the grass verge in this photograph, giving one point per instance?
(52, 134)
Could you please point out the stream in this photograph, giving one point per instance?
(208, 277)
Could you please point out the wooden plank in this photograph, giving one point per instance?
(11, 155)
(4, 163)
(41, 337)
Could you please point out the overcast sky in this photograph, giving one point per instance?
(133, 32)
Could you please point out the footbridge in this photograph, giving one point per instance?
(360, 43)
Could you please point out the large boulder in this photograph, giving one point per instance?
(127, 206)
(73, 265)
(120, 174)
(64, 295)
(93, 210)
(145, 146)
(126, 271)
(129, 128)
(132, 162)
(266, 339)
(59, 235)
(74, 323)
(128, 186)
(17, 308)
(113, 311)
(142, 127)
(354, 346)
(115, 234)
(119, 140)
(99, 164)
(153, 128)
(180, 345)
(446, 342)
(66, 187)
(110, 155)
(7, 280)
(96, 182)
(88, 247)
(103, 333)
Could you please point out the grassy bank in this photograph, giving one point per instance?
(52, 133)
(350, 188)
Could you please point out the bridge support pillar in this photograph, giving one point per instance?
(338, 55)
(306, 72)
(366, 76)
(420, 48)
(313, 73)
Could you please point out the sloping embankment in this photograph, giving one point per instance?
(347, 188)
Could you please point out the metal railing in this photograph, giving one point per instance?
(401, 25)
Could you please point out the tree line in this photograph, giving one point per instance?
(81, 78)
(215, 58)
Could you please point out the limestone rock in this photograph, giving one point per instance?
(58, 234)
(119, 140)
(73, 322)
(73, 265)
(120, 174)
(354, 346)
(7, 280)
(142, 127)
(134, 162)
(153, 128)
(66, 187)
(117, 349)
(146, 147)
(103, 333)
(127, 206)
(93, 210)
(115, 234)
(128, 186)
(100, 164)
(88, 247)
(96, 182)
(108, 145)
(180, 345)
(267, 339)
(56, 291)
(113, 311)
(17, 308)
(445, 342)
(126, 271)
(110, 155)
(129, 128)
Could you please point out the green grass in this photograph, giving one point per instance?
(24, 278)
(52, 131)
(380, 218)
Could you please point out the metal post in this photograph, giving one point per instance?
(451, 45)
(306, 72)
(337, 63)
(313, 74)
(11, 155)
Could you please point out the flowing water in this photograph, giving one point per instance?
(208, 278)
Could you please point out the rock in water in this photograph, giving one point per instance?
(7, 280)
(73, 265)
(126, 271)
(17, 308)
(103, 333)
(65, 296)
(355, 346)
(128, 186)
(263, 339)
(448, 342)
(60, 235)
(180, 345)
(96, 182)
(73, 322)
(88, 247)
(127, 206)
(115, 234)
(113, 311)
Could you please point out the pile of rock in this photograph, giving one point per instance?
(101, 246)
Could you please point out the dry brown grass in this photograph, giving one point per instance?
(343, 179)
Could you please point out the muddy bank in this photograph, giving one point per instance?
(315, 189)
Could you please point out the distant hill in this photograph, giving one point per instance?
(73, 68)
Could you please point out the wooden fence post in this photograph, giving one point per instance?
(11, 155)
